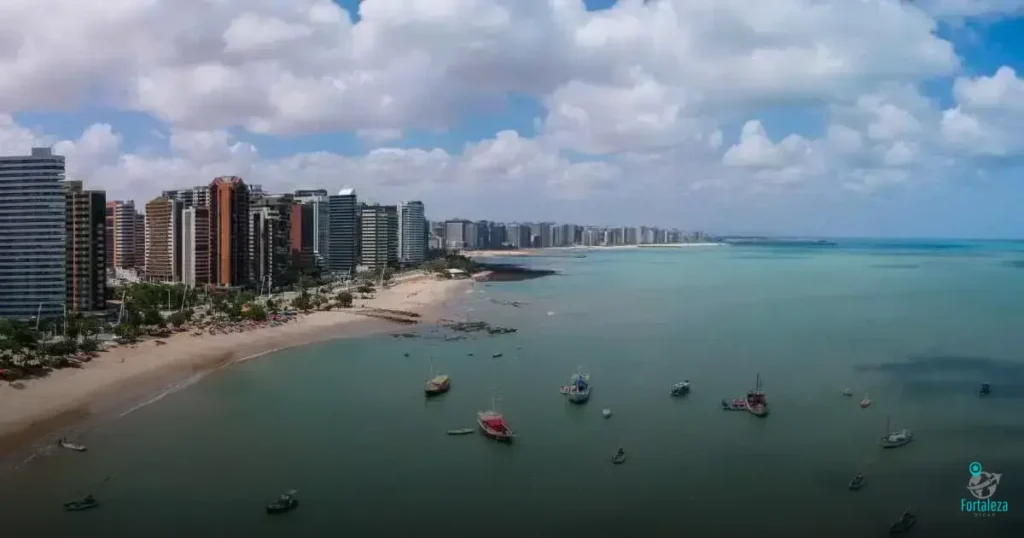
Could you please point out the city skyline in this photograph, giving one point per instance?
(566, 111)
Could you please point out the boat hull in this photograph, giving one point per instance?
(895, 444)
(433, 389)
(497, 435)
(579, 397)
(760, 411)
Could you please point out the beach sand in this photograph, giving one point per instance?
(125, 375)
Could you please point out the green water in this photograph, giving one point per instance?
(345, 422)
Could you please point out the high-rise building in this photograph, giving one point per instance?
(85, 247)
(456, 234)
(121, 223)
(343, 228)
(320, 210)
(139, 240)
(497, 236)
(193, 197)
(302, 236)
(163, 240)
(32, 234)
(229, 232)
(195, 246)
(519, 235)
(412, 227)
(108, 219)
(379, 236)
(269, 241)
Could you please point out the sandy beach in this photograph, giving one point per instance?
(568, 251)
(126, 375)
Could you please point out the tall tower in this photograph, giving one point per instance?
(342, 230)
(229, 232)
(412, 226)
(85, 262)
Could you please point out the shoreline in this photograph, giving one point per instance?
(575, 251)
(128, 377)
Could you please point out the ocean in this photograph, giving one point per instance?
(917, 326)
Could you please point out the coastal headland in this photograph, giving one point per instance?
(125, 375)
(573, 252)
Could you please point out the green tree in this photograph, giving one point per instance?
(345, 299)
(365, 288)
(255, 312)
(178, 319)
(152, 317)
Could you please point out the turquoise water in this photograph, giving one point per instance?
(915, 326)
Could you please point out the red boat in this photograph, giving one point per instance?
(757, 404)
(494, 426)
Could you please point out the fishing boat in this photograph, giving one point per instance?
(461, 431)
(438, 383)
(579, 388)
(985, 389)
(285, 503)
(894, 439)
(904, 523)
(619, 457)
(606, 413)
(757, 404)
(847, 392)
(64, 443)
(681, 389)
(857, 482)
(493, 424)
(865, 402)
(84, 503)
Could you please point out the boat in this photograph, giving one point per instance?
(461, 431)
(285, 503)
(681, 389)
(606, 413)
(734, 404)
(619, 457)
(64, 443)
(84, 503)
(847, 392)
(896, 439)
(757, 404)
(438, 383)
(497, 355)
(579, 388)
(857, 482)
(985, 389)
(904, 523)
(493, 424)
(865, 402)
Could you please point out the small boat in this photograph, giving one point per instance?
(757, 404)
(461, 431)
(857, 482)
(985, 389)
(904, 523)
(681, 389)
(896, 439)
(565, 389)
(619, 457)
(84, 503)
(735, 404)
(865, 402)
(64, 443)
(285, 503)
(579, 388)
(497, 355)
(493, 424)
(606, 413)
(438, 383)
(847, 392)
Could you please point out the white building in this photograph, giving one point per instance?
(380, 236)
(412, 233)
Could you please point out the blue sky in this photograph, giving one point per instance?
(867, 119)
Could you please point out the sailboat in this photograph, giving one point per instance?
(493, 423)
(438, 383)
(896, 439)
(756, 403)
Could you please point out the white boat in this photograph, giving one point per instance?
(579, 388)
(865, 402)
(70, 446)
(606, 413)
(461, 431)
(894, 439)
(681, 389)
(847, 392)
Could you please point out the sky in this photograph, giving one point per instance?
(860, 118)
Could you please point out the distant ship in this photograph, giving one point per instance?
(757, 404)
(493, 424)
(579, 388)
